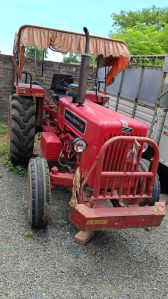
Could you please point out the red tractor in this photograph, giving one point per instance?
(95, 151)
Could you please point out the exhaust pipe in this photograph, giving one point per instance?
(84, 70)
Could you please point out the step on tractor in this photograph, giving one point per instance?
(95, 151)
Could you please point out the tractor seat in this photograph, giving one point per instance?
(57, 83)
(57, 88)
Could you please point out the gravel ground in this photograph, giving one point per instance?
(125, 264)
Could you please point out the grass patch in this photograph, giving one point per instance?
(3, 128)
(28, 234)
(4, 158)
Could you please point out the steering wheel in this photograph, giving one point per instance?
(67, 83)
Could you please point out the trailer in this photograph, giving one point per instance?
(141, 91)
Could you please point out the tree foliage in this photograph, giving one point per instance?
(36, 53)
(76, 58)
(145, 32)
(155, 16)
(71, 58)
(142, 39)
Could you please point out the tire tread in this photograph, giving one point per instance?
(39, 192)
(22, 128)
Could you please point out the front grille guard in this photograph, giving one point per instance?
(117, 170)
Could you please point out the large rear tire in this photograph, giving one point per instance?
(144, 164)
(39, 192)
(21, 128)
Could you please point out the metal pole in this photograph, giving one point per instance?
(84, 70)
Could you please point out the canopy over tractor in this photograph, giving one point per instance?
(110, 52)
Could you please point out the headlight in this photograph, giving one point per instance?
(79, 145)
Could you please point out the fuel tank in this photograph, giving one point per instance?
(95, 124)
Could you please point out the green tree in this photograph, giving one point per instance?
(149, 16)
(144, 32)
(143, 40)
(36, 53)
(76, 58)
(93, 60)
(71, 58)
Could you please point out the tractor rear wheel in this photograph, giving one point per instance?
(21, 128)
(144, 165)
(39, 192)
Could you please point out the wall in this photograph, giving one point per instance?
(34, 67)
(6, 83)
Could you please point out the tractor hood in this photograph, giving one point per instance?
(112, 52)
(98, 121)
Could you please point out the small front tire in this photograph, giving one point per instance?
(39, 192)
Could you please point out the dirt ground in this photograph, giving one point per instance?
(119, 264)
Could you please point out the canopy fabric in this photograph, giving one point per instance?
(63, 41)
(69, 42)
(118, 66)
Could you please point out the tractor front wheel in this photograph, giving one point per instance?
(21, 128)
(39, 192)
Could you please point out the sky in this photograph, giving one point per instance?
(70, 15)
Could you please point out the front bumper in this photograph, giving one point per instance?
(93, 219)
